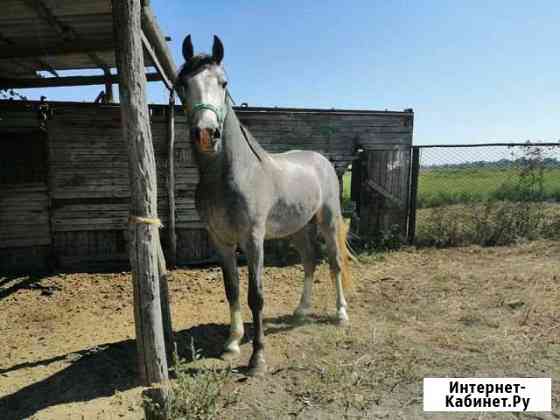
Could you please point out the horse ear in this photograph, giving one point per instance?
(217, 50)
(188, 51)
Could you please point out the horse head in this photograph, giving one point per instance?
(204, 83)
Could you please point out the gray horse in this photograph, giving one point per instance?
(247, 195)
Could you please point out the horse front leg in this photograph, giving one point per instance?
(231, 286)
(236, 331)
(255, 256)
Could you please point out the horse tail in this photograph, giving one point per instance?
(345, 252)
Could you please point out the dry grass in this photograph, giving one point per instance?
(466, 312)
(414, 313)
(195, 393)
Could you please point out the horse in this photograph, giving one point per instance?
(246, 195)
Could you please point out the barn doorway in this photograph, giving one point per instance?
(25, 237)
(380, 189)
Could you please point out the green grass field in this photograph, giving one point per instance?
(439, 187)
(484, 206)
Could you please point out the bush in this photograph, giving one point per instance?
(516, 211)
(487, 224)
(503, 223)
(196, 394)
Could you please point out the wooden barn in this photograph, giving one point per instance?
(64, 189)
(64, 180)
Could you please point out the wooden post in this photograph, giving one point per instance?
(159, 44)
(169, 337)
(108, 87)
(365, 197)
(52, 262)
(356, 191)
(171, 180)
(340, 176)
(414, 172)
(356, 183)
(143, 234)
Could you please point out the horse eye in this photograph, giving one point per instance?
(224, 84)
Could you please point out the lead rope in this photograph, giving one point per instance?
(221, 120)
(248, 142)
(243, 130)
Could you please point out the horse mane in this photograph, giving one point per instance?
(195, 65)
(232, 124)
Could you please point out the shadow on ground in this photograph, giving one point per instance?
(10, 284)
(102, 370)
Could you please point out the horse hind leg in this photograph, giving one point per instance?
(334, 232)
(304, 241)
(253, 247)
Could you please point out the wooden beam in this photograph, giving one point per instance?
(161, 71)
(144, 244)
(157, 40)
(44, 13)
(98, 61)
(21, 64)
(47, 66)
(66, 81)
(379, 189)
(67, 33)
(171, 179)
(25, 66)
(158, 43)
(108, 87)
(75, 47)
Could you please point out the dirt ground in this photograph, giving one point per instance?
(67, 349)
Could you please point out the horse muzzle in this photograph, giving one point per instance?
(205, 139)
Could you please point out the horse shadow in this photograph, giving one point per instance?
(102, 370)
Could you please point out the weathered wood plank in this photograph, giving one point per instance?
(171, 181)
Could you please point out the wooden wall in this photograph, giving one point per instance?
(384, 190)
(25, 237)
(82, 216)
(335, 133)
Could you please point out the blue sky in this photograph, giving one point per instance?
(473, 71)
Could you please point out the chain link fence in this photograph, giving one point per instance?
(488, 194)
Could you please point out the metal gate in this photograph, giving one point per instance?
(381, 188)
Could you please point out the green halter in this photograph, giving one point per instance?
(209, 107)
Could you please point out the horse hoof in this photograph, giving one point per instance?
(229, 355)
(257, 365)
(342, 317)
(258, 370)
(301, 314)
(342, 322)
